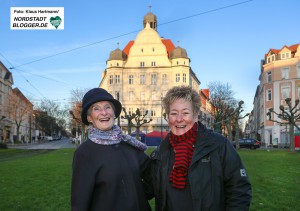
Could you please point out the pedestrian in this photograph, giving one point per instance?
(110, 167)
(195, 168)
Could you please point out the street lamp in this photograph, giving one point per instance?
(161, 117)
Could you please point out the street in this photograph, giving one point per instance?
(59, 144)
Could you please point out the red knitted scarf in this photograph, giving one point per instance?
(183, 146)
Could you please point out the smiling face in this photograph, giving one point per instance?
(101, 115)
(181, 116)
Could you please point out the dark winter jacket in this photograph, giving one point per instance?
(216, 176)
(108, 177)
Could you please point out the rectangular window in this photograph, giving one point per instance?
(298, 92)
(153, 113)
(153, 64)
(269, 76)
(153, 96)
(285, 91)
(117, 79)
(130, 79)
(164, 79)
(142, 64)
(273, 57)
(111, 79)
(142, 95)
(153, 79)
(142, 110)
(269, 95)
(142, 79)
(177, 77)
(285, 73)
(298, 70)
(184, 77)
(283, 56)
(131, 96)
(117, 95)
(287, 55)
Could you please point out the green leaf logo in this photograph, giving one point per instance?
(55, 21)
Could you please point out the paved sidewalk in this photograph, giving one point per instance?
(64, 143)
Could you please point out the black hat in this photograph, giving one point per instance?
(96, 95)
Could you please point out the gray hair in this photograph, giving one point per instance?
(182, 92)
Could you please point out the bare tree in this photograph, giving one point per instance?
(228, 124)
(19, 109)
(289, 117)
(140, 120)
(138, 117)
(237, 115)
(222, 99)
(45, 122)
(75, 111)
(56, 113)
(77, 95)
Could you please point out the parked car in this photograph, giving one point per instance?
(248, 143)
(75, 140)
(49, 138)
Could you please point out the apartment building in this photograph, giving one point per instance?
(6, 82)
(206, 115)
(142, 73)
(279, 79)
(16, 111)
(21, 113)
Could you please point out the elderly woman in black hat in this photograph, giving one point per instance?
(109, 168)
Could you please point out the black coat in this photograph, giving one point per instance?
(217, 177)
(109, 177)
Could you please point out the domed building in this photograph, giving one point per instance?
(142, 73)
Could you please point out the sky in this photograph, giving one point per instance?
(225, 40)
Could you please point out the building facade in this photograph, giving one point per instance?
(15, 109)
(6, 82)
(279, 79)
(21, 114)
(206, 115)
(141, 74)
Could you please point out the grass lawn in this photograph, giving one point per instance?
(41, 179)
(275, 179)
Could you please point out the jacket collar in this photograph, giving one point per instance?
(205, 143)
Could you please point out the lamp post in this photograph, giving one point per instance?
(118, 98)
(161, 117)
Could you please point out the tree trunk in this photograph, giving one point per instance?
(18, 134)
(137, 135)
(292, 135)
(237, 135)
(228, 126)
(129, 129)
